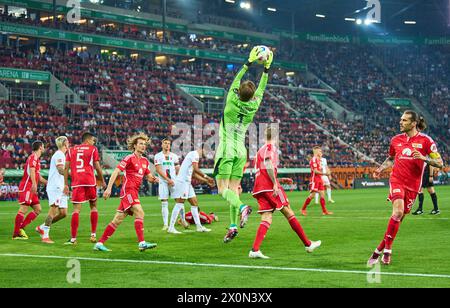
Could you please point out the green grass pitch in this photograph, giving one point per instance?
(420, 259)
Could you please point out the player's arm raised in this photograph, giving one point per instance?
(264, 79)
(237, 80)
(199, 175)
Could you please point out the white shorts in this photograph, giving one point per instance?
(164, 190)
(326, 180)
(183, 190)
(57, 197)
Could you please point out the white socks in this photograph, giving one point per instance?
(328, 193)
(165, 212)
(176, 210)
(317, 198)
(46, 230)
(196, 216)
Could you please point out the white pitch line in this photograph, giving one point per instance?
(296, 269)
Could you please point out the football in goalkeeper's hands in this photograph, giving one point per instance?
(263, 54)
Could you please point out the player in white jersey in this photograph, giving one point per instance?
(55, 190)
(167, 165)
(326, 180)
(183, 190)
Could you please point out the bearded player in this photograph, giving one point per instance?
(242, 103)
(135, 167)
(409, 153)
(81, 160)
(271, 196)
(316, 182)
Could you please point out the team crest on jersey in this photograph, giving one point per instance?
(417, 145)
(141, 171)
(434, 148)
(407, 152)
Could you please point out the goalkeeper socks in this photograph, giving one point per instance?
(421, 198)
(235, 204)
(435, 201)
(165, 212)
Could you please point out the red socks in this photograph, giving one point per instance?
(295, 225)
(139, 226)
(322, 204)
(74, 224)
(18, 223)
(32, 216)
(389, 236)
(260, 234)
(391, 233)
(94, 221)
(307, 202)
(109, 231)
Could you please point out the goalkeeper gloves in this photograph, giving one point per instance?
(269, 61)
(253, 55)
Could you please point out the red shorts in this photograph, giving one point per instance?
(126, 202)
(205, 219)
(268, 203)
(399, 192)
(28, 198)
(84, 194)
(316, 185)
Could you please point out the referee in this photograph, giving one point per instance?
(427, 182)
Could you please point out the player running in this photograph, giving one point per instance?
(326, 180)
(271, 196)
(242, 103)
(316, 183)
(135, 167)
(409, 153)
(55, 190)
(167, 165)
(82, 160)
(28, 192)
(183, 190)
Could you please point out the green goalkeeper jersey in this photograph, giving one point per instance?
(237, 117)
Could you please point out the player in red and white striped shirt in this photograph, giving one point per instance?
(28, 192)
(271, 196)
(135, 167)
(82, 160)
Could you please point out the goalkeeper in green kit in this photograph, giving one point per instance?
(242, 103)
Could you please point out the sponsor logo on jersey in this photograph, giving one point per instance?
(407, 152)
(397, 191)
(417, 145)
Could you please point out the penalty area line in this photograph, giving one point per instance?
(231, 266)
